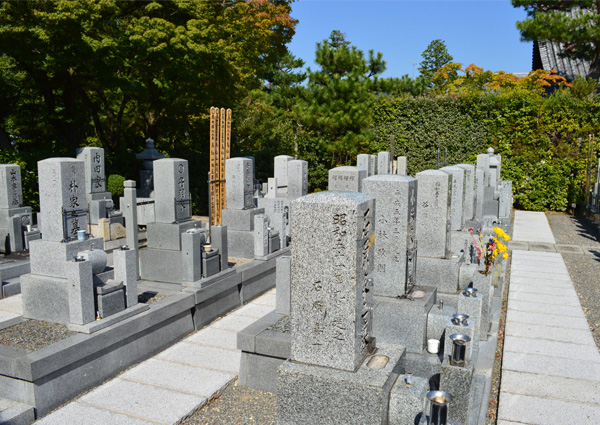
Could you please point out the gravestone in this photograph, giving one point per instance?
(63, 206)
(14, 218)
(280, 170)
(297, 178)
(241, 209)
(395, 233)
(373, 165)
(364, 161)
(239, 183)
(483, 163)
(457, 219)
(401, 166)
(172, 191)
(479, 193)
(331, 304)
(469, 203)
(346, 179)
(383, 163)
(271, 188)
(60, 289)
(433, 213)
(99, 200)
(330, 375)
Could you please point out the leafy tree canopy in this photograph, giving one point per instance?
(574, 24)
(105, 71)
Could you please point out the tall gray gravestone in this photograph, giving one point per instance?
(383, 163)
(483, 163)
(13, 216)
(479, 193)
(297, 171)
(395, 233)
(330, 377)
(99, 200)
(469, 202)
(364, 161)
(433, 213)
(373, 165)
(401, 166)
(331, 304)
(241, 209)
(281, 169)
(457, 219)
(63, 205)
(346, 179)
(239, 183)
(172, 190)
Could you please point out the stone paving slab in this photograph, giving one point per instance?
(544, 299)
(77, 412)
(544, 290)
(556, 349)
(546, 386)
(234, 322)
(254, 310)
(211, 336)
(531, 226)
(179, 377)
(545, 247)
(558, 282)
(547, 319)
(528, 330)
(549, 365)
(533, 307)
(143, 401)
(201, 355)
(544, 411)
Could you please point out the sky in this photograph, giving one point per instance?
(482, 32)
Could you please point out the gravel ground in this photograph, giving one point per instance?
(237, 405)
(583, 268)
(34, 334)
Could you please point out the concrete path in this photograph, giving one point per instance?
(173, 384)
(531, 226)
(551, 365)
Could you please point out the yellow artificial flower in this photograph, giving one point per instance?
(505, 256)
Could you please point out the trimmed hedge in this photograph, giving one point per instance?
(543, 140)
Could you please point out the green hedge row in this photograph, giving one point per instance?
(543, 140)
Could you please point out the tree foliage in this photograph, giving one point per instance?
(435, 56)
(108, 70)
(574, 24)
(339, 96)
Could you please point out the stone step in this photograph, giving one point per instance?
(15, 413)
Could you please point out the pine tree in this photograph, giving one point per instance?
(337, 103)
(574, 24)
(435, 56)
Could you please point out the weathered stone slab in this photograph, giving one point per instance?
(395, 233)
(346, 179)
(331, 304)
(172, 190)
(433, 213)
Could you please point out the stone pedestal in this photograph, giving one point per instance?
(440, 273)
(403, 320)
(309, 394)
(457, 381)
(407, 400)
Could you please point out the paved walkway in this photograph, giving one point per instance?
(551, 365)
(173, 384)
